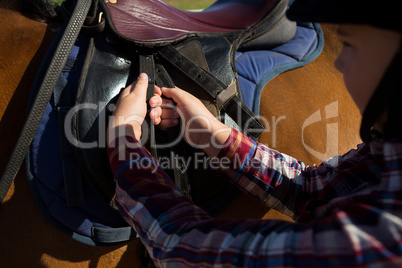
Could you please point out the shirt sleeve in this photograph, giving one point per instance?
(278, 180)
(177, 233)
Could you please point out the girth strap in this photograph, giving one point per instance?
(231, 104)
(157, 73)
(147, 65)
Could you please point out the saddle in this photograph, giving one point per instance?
(67, 165)
(194, 51)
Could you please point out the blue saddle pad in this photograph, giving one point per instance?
(256, 68)
(95, 222)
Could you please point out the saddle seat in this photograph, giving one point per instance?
(155, 21)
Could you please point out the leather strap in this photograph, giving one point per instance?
(157, 72)
(232, 105)
(147, 65)
(49, 82)
(191, 70)
(113, 235)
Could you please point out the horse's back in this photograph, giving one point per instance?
(310, 113)
(20, 53)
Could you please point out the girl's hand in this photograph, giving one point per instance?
(164, 113)
(200, 127)
(131, 109)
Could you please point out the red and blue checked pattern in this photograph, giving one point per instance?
(347, 215)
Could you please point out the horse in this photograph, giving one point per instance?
(292, 103)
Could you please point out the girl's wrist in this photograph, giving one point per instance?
(219, 135)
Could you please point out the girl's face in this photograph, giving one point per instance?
(366, 53)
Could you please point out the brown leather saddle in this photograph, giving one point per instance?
(192, 50)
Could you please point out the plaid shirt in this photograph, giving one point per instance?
(347, 211)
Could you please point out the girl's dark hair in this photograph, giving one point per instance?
(40, 8)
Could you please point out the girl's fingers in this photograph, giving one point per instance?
(157, 100)
(168, 123)
(168, 103)
(155, 114)
(158, 114)
(169, 114)
(158, 91)
(164, 111)
(157, 121)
